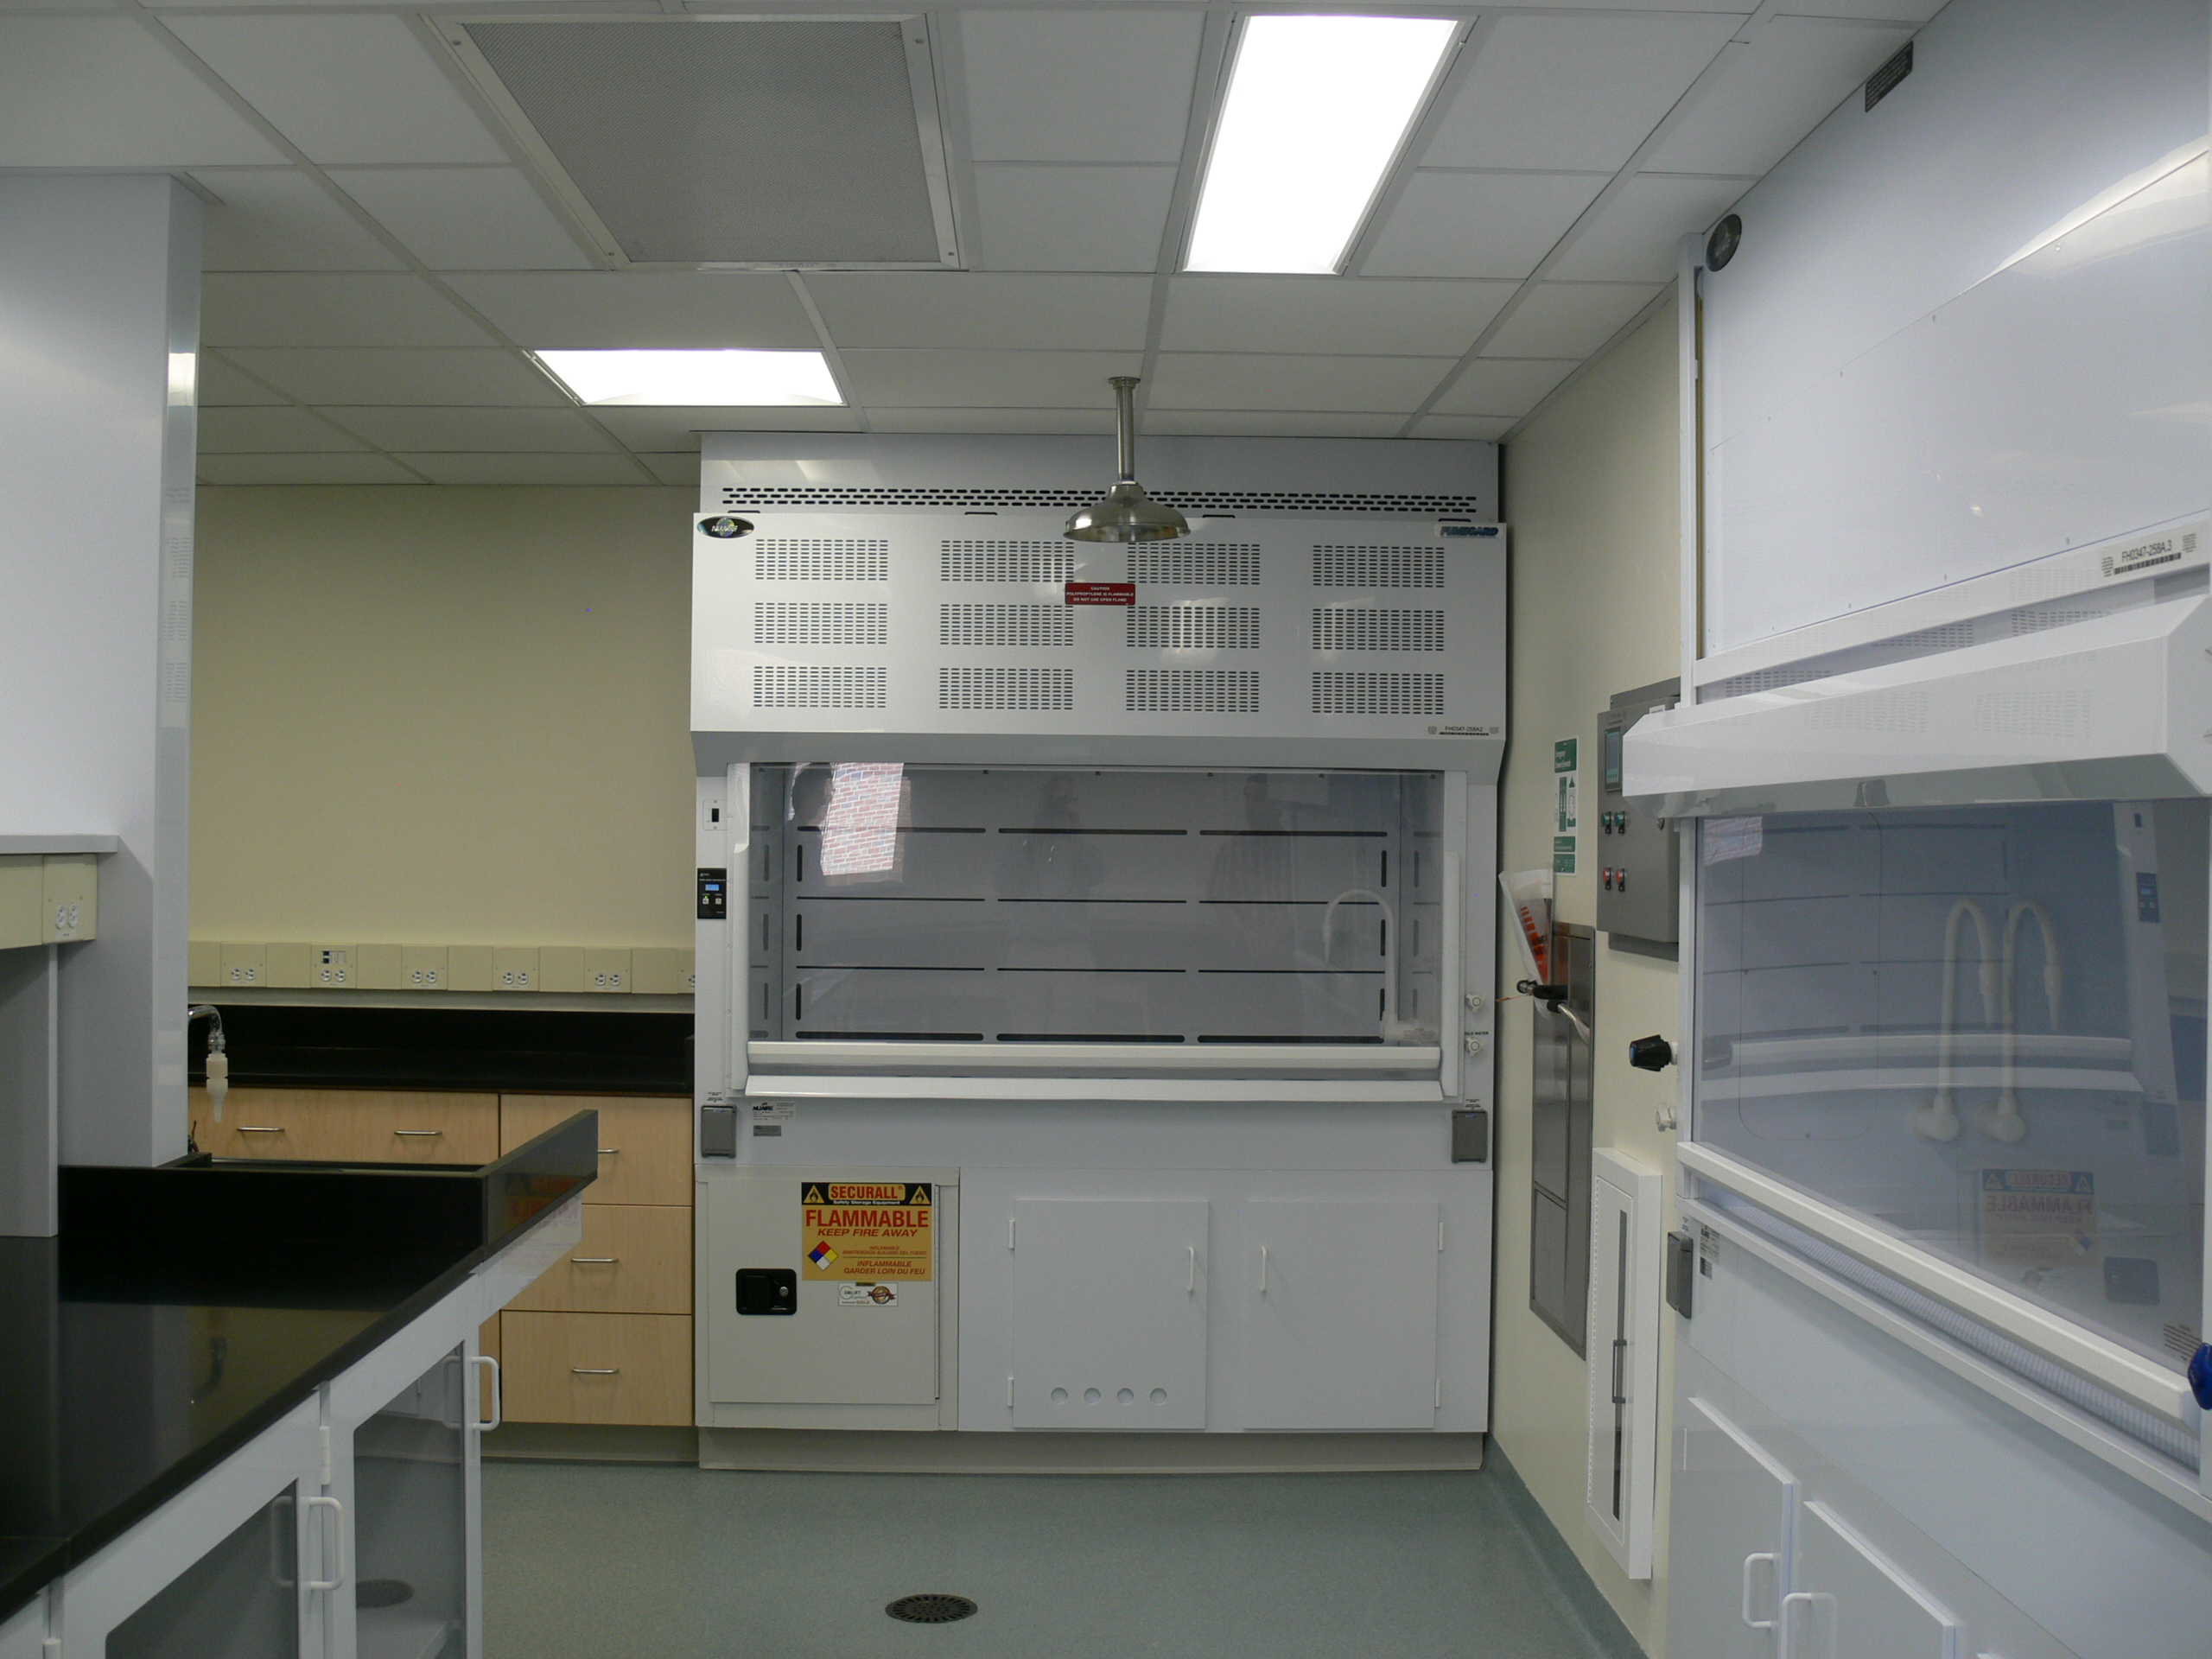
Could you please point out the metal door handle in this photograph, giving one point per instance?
(1620, 1352)
(324, 1501)
(1789, 1630)
(596, 1370)
(1191, 1285)
(609, 1152)
(424, 1132)
(1264, 1270)
(1773, 1560)
(498, 1396)
(595, 1261)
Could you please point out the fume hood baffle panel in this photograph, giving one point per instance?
(951, 637)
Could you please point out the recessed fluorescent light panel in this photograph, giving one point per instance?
(1317, 108)
(697, 379)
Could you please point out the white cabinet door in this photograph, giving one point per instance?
(22, 1634)
(1339, 1322)
(1853, 1602)
(1109, 1313)
(1730, 1540)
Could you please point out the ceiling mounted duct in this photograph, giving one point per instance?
(1127, 513)
(744, 142)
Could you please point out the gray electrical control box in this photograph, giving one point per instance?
(1639, 854)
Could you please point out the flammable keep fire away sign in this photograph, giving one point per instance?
(866, 1229)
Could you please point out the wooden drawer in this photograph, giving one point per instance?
(645, 1142)
(597, 1368)
(635, 1258)
(350, 1126)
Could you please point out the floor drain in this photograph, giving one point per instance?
(382, 1592)
(931, 1610)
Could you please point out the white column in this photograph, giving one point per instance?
(99, 332)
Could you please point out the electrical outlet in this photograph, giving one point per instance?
(424, 967)
(244, 964)
(607, 970)
(513, 969)
(330, 967)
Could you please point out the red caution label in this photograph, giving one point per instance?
(1100, 593)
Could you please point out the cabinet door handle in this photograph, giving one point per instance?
(1264, 1270)
(595, 1370)
(260, 1129)
(418, 1132)
(1191, 1285)
(595, 1261)
(499, 1394)
(1788, 1645)
(324, 1501)
(1773, 1562)
(610, 1152)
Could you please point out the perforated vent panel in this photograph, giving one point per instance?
(1353, 628)
(1050, 625)
(758, 496)
(1378, 567)
(2037, 621)
(1347, 691)
(817, 685)
(829, 559)
(1006, 686)
(1194, 628)
(820, 622)
(1192, 690)
(1949, 637)
(1197, 564)
(1026, 562)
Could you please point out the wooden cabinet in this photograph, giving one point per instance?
(597, 1368)
(350, 1126)
(635, 1258)
(644, 1142)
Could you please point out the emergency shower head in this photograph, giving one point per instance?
(1127, 513)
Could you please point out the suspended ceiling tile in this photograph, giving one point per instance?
(1496, 225)
(1568, 320)
(302, 469)
(1504, 387)
(466, 218)
(1573, 91)
(222, 387)
(247, 431)
(929, 379)
(677, 469)
(986, 310)
(1480, 428)
(1270, 424)
(669, 429)
(1636, 235)
(302, 308)
(549, 431)
(610, 311)
(992, 420)
(397, 376)
(449, 468)
(352, 87)
(1055, 217)
(1079, 84)
(1328, 314)
(1794, 70)
(105, 91)
(1236, 380)
(279, 219)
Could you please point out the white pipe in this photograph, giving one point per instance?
(1938, 1120)
(2000, 1120)
(1393, 1030)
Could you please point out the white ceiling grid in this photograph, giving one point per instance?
(381, 251)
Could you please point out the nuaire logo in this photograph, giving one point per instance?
(726, 528)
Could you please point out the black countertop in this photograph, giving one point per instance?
(185, 1309)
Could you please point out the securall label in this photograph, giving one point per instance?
(1100, 592)
(866, 1231)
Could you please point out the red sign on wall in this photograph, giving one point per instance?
(1102, 592)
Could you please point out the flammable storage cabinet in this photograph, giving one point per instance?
(1090, 962)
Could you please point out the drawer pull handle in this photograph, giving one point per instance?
(418, 1131)
(609, 1151)
(595, 1261)
(596, 1370)
(260, 1129)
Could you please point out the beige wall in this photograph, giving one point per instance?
(443, 716)
(1591, 490)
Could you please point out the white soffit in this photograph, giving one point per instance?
(1578, 91)
(1079, 84)
(466, 218)
(102, 91)
(279, 219)
(1072, 218)
(721, 141)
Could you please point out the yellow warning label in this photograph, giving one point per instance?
(866, 1230)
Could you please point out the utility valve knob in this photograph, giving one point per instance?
(1650, 1053)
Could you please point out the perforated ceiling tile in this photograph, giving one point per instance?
(667, 309)
(280, 219)
(250, 309)
(222, 385)
(550, 431)
(1257, 380)
(100, 92)
(1047, 420)
(1480, 224)
(731, 140)
(674, 428)
(1049, 217)
(1509, 387)
(1328, 314)
(256, 430)
(987, 311)
(1636, 235)
(466, 218)
(1271, 423)
(556, 470)
(392, 376)
(1569, 318)
(303, 469)
(918, 379)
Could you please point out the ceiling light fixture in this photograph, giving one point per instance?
(1316, 107)
(1127, 513)
(697, 379)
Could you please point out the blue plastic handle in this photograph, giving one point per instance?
(2200, 1375)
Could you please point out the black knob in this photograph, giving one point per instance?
(1650, 1053)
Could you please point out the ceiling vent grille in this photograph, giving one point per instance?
(1040, 689)
(818, 685)
(774, 142)
(820, 622)
(1194, 628)
(1353, 628)
(1192, 690)
(1378, 567)
(1050, 625)
(822, 561)
(1197, 564)
(1349, 691)
(1026, 562)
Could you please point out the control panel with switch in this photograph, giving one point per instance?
(1638, 853)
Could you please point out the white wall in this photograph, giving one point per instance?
(1591, 491)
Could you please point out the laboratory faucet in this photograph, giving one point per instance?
(1393, 1029)
(1938, 1120)
(2000, 1120)
(218, 1063)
